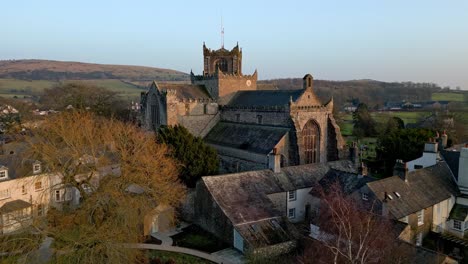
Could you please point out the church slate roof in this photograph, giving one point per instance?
(425, 188)
(265, 97)
(243, 197)
(186, 91)
(253, 138)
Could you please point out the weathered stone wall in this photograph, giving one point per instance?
(230, 84)
(249, 116)
(424, 228)
(300, 118)
(197, 116)
(187, 209)
(209, 216)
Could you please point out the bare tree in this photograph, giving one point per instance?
(344, 233)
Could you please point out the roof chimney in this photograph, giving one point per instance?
(444, 138)
(274, 161)
(362, 170)
(354, 153)
(401, 170)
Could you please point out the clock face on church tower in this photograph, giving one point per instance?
(248, 82)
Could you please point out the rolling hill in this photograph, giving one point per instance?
(63, 70)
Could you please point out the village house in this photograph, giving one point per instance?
(254, 211)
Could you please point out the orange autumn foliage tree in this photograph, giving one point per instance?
(102, 159)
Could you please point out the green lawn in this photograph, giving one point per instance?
(346, 125)
(162, 257)
(455, 97)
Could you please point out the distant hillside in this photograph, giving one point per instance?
(374, 93)
(63, 70)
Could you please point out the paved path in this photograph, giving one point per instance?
(183, 250)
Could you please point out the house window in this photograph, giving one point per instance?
(259, 119)
(466, 225)
(292, 195)
(457, 225)
(36, 168)
(420, 215)
(23, 190)
(419, 239)
(237, 117)
(4, 194)
(205, 109)
(38, 186)
(58, 196)
(292, 213)
(365, 196)
(3, 174)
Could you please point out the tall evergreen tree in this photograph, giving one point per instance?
(196, 158)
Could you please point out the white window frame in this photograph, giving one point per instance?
(37, 168)
(63, 194)
(292, 213)
(364, 196)
(3, 174)
(460, 223)
(58, 194)
(292, 195)
(420, 217)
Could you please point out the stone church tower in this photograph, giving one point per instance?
(245, 125)
(222, 74)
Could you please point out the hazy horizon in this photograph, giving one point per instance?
(419, 41)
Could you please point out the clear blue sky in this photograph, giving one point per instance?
(337, 40)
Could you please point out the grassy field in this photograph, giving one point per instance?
(455, 97)
(346, 125)
(13, 87)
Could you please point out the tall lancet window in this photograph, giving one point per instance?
(311, 138)
(155, 115)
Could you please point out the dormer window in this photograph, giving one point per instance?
(365, 196)
(37, 168)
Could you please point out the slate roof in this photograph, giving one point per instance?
(425, 187)
(266, 232)
(459, 212)
(253, 138)
(243, 197)
(187, 91)
(14, 205)
(264, 97)
(452, 158)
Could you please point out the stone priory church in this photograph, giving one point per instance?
(244, 124)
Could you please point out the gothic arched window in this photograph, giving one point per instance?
(311, 139)
(155, 115)
(222, 65)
